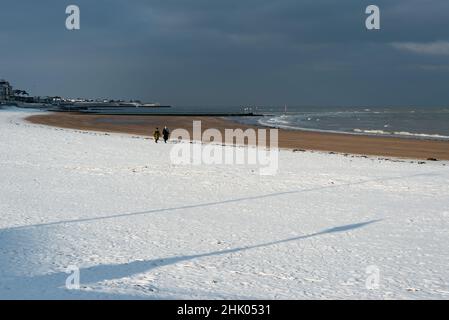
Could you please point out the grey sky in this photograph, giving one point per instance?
(230, 52)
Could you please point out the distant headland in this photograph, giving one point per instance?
(22, 99)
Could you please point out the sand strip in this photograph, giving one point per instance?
(292, 139)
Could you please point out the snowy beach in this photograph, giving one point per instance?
(139, 227)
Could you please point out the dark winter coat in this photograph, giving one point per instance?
(165, 133)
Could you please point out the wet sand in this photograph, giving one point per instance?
(291, 139)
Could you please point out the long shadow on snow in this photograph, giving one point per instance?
(210, 204)
(54, 283)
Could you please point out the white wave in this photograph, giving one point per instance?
(405, 133)
(372, 131)
(277, 120)
(401, 133)
(291, 127)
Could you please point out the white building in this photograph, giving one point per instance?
(5, 90)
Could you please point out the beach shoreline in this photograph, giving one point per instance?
(395, 147)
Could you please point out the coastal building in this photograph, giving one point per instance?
(5, 90)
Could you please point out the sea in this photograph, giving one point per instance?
(411, 122)
(407, 122)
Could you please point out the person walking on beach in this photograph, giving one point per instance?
(165, 134)
(156, 135)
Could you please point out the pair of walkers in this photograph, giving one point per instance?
(165, 134)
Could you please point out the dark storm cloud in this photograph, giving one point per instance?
(190, 52)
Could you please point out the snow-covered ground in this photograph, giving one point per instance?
(139, 227)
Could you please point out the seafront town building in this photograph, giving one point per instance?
(5, 90)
